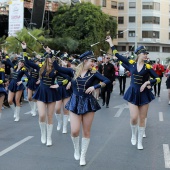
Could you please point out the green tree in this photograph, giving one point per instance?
(2, 41)
(15, 46)
(86, 24)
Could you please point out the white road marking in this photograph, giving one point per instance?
(121, 108)
(161, 118)
(15, 145)
(166, 155)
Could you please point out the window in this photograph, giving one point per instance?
(165, 49)
(103, 3)
(151, 5)
(132, 4)
(131, 19)
(114, 4)
(121, 6)
(132, 48)
(120, 34)
(153, 48)
(131, 33)
(114, 17)
(150, 34)
(121, 48)
(120, 20)
(151, 20)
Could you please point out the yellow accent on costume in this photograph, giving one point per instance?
(15, 67)
(2, 70)
(6, 57)
(102, 84)
(1, 81)
(115, 51)
(25, 54)
(148, 66)
(40, 65)
(93, 68)
(158, 80)
(65, 82)
(23, 69)
(29, 58)
(131, 61)
(26, 80)
(120, 62)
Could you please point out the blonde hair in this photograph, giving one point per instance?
(168, 67)
(78, 70)
(46, 67)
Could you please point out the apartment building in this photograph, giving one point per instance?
(147, 21)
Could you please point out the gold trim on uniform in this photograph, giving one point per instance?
(137, 75)
(137, 83)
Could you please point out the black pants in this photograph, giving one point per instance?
(105, 93)
(122, 84)
(159, 87)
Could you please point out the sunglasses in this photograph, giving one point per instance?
(108, 58)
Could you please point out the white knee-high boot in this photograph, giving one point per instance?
(65, 121)
(12, 106)
(76, 147)
(31, 103)
(43, 131)
(59, 121)
(49, 133)
(134, 133)
(34, 111)
(140, 137)
(17, 113)
(84, 147)
(144, 134)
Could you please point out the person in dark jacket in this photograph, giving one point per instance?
(107, 69)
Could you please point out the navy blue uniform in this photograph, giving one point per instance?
(133, 94)
(17, 75)
(80, 102)
(2, 77)
(34, 74)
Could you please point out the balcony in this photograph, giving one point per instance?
(150, 40)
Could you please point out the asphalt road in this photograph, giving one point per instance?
(109, 149)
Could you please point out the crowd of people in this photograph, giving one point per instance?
(74, 84)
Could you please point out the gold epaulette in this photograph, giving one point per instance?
(23, 69)
(148, 66)
(131, 61)
(2, 70)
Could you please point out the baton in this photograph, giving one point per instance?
(105, 39)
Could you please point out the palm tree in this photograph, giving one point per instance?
(13, 45)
